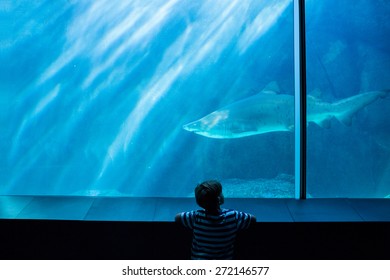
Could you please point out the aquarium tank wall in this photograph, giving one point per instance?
(148, 98)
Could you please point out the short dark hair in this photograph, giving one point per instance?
(207, 194)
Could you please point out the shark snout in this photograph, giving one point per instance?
(192, 126)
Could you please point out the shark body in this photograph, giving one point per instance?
(268, 111)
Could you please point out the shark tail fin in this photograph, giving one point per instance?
(346, 108)
(345, 117)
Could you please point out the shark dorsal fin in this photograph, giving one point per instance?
(268, 92)
(313, 98)
(271, 88)
(316, 93)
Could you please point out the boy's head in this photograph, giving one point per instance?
(209, 195)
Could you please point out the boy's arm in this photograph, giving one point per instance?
(178, 218)
(186, 219)
(253, 219)
(244, 220)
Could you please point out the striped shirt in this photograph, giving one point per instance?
(214, 234)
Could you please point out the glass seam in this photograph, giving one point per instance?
(300, 98)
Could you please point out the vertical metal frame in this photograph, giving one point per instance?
(300, 98)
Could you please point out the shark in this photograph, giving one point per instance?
(270, 111)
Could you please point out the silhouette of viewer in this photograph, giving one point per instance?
(214, 229)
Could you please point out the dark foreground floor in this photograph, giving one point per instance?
(48, 228)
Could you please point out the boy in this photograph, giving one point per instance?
(214, 229)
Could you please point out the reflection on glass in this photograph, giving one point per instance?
(95, 94)
(348, 70)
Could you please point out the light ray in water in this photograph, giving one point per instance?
(260, 25)
(97, 48)
(42, 104)
(135, 118)
(45, 101)
(175, 64)
(137, 41)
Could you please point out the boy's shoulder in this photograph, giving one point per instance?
(228, 210)
(224, 211)
(203, 212)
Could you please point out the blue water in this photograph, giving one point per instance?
(348, 52)
(94, 95)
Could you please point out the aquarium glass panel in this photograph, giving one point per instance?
(348, 82)
(101, 98)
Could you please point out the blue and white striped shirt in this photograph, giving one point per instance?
(214, 234)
